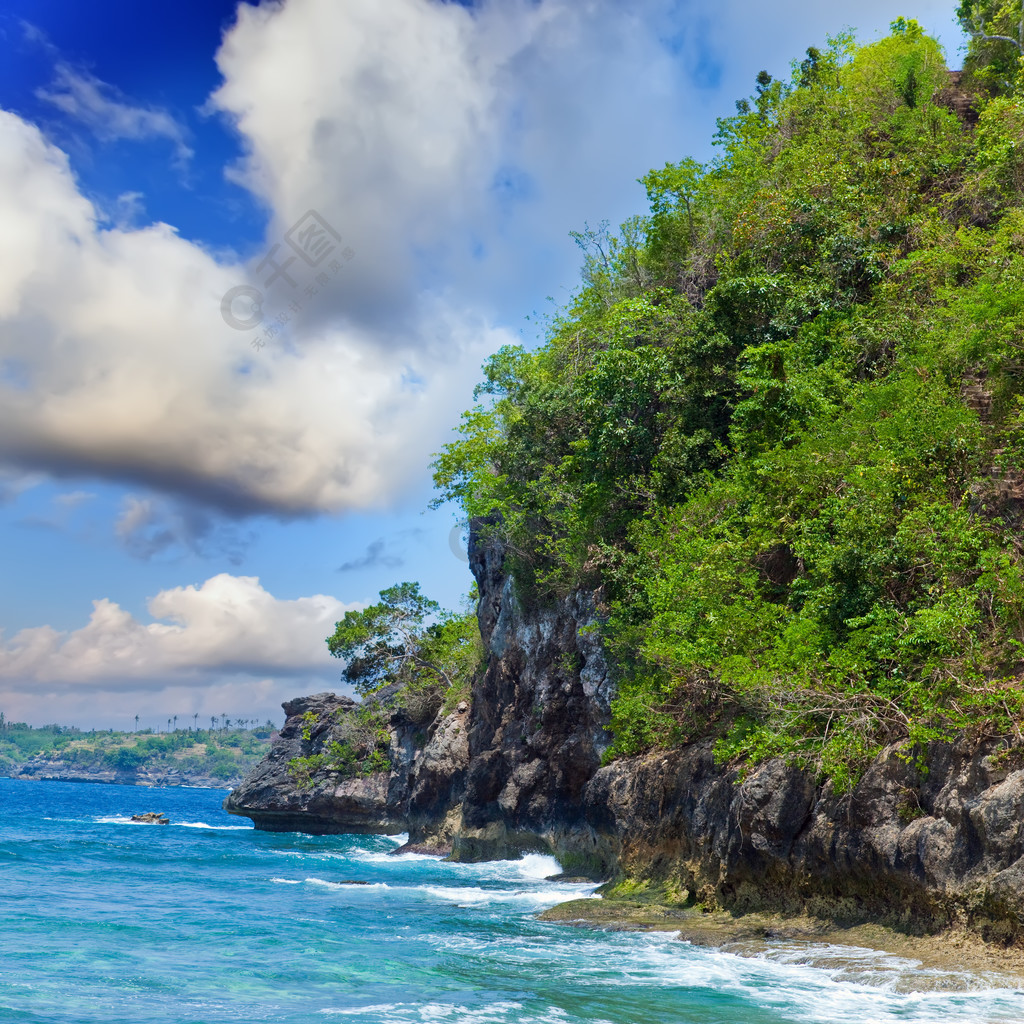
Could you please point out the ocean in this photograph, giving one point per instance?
(207, 920)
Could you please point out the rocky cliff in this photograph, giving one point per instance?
(418, 795)
(922, 846)
(491, 778)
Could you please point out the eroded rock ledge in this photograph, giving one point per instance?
(519, 769)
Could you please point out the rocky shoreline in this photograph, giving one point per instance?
(41, 769)
(963, 954)
(928, 846)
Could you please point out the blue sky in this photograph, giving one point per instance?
(187, 506)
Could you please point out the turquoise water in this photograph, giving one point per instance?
(207, 920)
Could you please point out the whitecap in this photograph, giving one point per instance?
(473, 895)
(372, 857)
(346, 885)
(775, 981)
(496, 1012)
(536, 865)
(216, 828)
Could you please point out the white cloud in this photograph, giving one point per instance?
(462, 145)
(119, 365)
(107, 113)
(72, 499)
(255, 699)
(14, 483)
(452, 148)
(128, 209)
(228, 625)
(224, 646)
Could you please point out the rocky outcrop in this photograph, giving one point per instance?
(499, 775)
(921, 846)
(424, 783)
(538, 725)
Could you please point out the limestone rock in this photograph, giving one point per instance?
(518, 768)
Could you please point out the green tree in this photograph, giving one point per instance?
(996, 28)
(790, 450)
(403, 637)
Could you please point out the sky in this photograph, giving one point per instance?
(253, 256)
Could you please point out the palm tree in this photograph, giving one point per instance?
(195, 721)
(224, 719)
(213, 722)
(136, 723)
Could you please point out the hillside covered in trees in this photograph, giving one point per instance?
(194, 756)
(780, 429)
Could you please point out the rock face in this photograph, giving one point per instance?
(924, 850)
(519, 769)
(425, 781)
(537, 728)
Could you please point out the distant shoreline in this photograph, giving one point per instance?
(143, 781)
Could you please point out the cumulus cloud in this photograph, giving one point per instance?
(450, 147)
(227, 625)
(443, 140)
(119, 365)
(224, 646)
(457, 145)
(109, 114)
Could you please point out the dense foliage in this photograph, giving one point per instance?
(406, 641)
(352, 743)
(403, 655)
(782, 424)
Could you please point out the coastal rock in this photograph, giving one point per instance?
(277, 802)
(929, 846)
(151, 818)
(537, 727)
(924, 844)
(424, 783)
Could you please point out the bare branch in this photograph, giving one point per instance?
(980, 33)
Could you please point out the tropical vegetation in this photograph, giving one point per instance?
(780, 428)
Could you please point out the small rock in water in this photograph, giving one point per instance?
(151, 818)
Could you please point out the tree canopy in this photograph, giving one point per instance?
(780, 425)
(406, 637)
